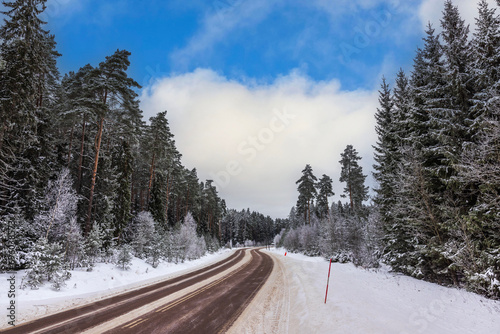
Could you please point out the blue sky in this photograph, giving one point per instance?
(239, 39)
(256, 89)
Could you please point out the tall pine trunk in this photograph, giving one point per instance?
(80, 162)
(88, 226)
(151, 174)
(70, 143)
(167, 199)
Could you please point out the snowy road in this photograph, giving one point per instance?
(214, 296)
(291, 300)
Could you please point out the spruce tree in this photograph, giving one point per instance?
(385, 153)
(455, 131)
(28, 53)
(486, 65)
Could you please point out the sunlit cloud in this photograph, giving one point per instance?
(254, 139)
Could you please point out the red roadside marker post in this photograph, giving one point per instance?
(328, 281)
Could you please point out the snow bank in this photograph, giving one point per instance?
(367, 301)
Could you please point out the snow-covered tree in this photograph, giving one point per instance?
(46, 262)
(73, 245)
(124, 257)
(60, 206)
(156, 249)
(29, 57)
(143, 230)
(307, 193)
(386, 153)
(93, 244)
(17, 237)
(352, 174)
(325, 190)
(193, 246)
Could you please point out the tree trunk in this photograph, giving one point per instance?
(2, 133)
(151, 174)
(309, 211)
(187, 201)
(80, 162)
(220, 232)
(94, 175)
(141, 199)
(350, 197)
(70, 143)
(166, 199)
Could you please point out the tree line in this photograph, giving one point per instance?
(436, 210)
(438, 156)
(79, 167)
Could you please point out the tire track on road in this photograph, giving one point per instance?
(78, 319)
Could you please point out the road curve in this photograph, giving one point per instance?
(211, 309)
(79, 319)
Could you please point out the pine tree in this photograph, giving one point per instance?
(28, 53)
(46, 262)
(352, 174)
(124, 257)
(93, 245)
(17, 237)
(143, 231)
(307, 193)
(108, 81)
(325, 190)
(73, 245)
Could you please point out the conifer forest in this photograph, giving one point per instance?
(84, 178)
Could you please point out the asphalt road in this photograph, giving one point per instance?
(213, 308)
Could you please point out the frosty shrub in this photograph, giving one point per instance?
(189, 245)
(74, 245)
(93, 245)
(278, 239)
(249, 243)
(156, 250)
(124, 257)
(309, 240)
(291, 241)
(212, 244)
(143, 228)
(45, 263)
(60, 203)
(16, 241)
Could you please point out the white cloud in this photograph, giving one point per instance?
(61, 8)
(263, 134)
(432, 11)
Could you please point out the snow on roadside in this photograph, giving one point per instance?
(369, 301)
(83, 286)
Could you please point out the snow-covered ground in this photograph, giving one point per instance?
(361, 301)
(292, 301)
(83, 287)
